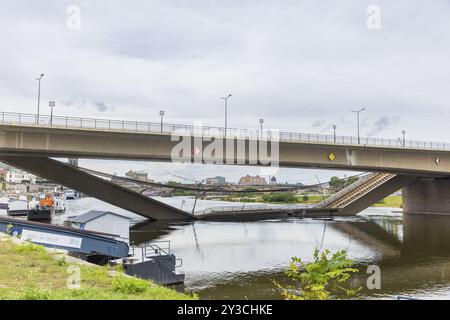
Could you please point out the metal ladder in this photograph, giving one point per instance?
(163, 261)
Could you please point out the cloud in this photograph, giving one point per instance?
(318, 123)
(184, 56)
(88, 105)
(382, 124)
(290, 62)
(326, 128)
(101, 106)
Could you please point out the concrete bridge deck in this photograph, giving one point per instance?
(263, 212)
(27, 141)
(113, 139)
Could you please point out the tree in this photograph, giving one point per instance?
(305, 198)
(350, 181)
(322, 279)
(335, 183)
(339, 184)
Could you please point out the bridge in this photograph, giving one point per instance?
(421, 168)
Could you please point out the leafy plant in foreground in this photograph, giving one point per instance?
(324, 278)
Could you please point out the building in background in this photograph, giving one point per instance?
(252, 180)
(15, 182)
(15, 176)
(3, 173)
(215, 180)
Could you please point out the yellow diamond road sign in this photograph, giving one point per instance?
(331, 156)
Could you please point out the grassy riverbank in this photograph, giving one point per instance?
(290, 198)
(275, 198)
(30, 272)
(391, 202)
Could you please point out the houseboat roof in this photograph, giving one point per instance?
(93, 214)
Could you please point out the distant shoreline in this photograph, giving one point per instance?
(388, 202)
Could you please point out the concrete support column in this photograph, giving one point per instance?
(430, 196)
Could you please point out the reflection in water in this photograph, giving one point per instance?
(240, 260)
(426, 235)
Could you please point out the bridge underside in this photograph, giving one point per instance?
(101, 189)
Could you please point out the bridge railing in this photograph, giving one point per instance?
(12, 118)
(250, 208)
(344, 191)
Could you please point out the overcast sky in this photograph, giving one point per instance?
(300, 65)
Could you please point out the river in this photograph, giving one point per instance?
(228, 260)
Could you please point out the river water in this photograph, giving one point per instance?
(228, 260)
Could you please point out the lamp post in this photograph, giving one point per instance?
(404, 138)
(357, 120)
(226, 112)
(39, 97)
(162, 113)
(261, 121)
(51, 105)
(334, 133)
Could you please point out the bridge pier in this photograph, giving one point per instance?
(427, 196)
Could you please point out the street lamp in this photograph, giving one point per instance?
(404, 138)
(226, 111)
(261, 121)
(334, 133)
(51, 105)
(357, 117)
(39, 97)
(162, 113)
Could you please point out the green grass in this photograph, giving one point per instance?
(312, 199)
(391, 201)
(28, 271)
(276, 198)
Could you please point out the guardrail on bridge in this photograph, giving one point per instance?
(12, 118)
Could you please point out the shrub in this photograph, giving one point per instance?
(321, 279)
(280, 197)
